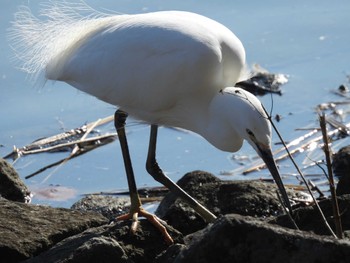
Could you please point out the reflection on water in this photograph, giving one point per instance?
(309, 41)
(53, 192)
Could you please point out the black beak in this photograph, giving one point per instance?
(266, 154)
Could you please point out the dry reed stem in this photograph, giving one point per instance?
(336, 214)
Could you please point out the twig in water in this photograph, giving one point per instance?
(75, 150)
(70, 144)
(316, 188)
(103, 139)
(56, 142)
(55, 163)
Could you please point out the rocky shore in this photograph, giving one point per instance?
(251, 227)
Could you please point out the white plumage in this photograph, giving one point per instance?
(163, 67)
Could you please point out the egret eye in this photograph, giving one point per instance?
(250, 133)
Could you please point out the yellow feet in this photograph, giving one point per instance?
(151, 218)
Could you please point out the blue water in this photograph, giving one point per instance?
(308, 40)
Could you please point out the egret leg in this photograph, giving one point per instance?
(136, 209)
(157, 173)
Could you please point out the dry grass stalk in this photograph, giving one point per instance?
(336, 214)
(77, 148)
(58, 142)
(81, 145)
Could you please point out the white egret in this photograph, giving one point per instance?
(167, 68)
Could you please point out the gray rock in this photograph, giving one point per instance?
(110, 243)
(108, 206)
(252, 198)
(27, 230)
(236, 238)
(86, 247)
(11, 185)
(170, 254)
(308, 218)
(341, 168)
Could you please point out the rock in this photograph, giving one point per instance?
(27, 230)
(108, 206)
(177, 213)
(308, 218)
(170, 254)
(236, 238)
(11, 185)
(110, 243)
(341, 168)
(253, 198)
(43, 234)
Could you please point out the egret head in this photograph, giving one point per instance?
(252, 124)
(248, 118)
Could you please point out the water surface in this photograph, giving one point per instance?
(308, 40)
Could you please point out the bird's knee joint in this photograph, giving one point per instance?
(150, 166)
(120, 118)
(154, 170)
